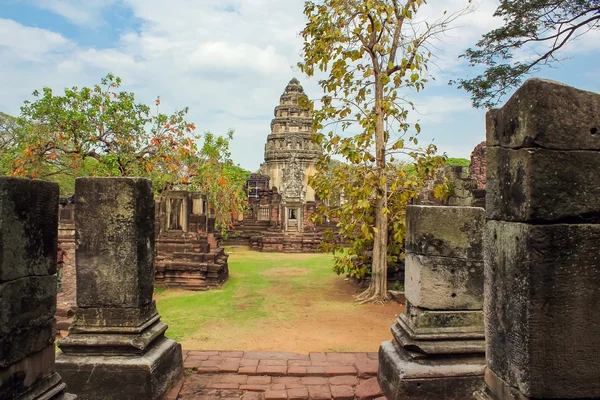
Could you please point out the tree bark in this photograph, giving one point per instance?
(377, 291)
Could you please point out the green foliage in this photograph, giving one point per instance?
(458, 162)
(538, 27)
(101, 131)
(373, 54)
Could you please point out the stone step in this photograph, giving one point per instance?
(278, 375)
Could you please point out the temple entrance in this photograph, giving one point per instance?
(292, 219)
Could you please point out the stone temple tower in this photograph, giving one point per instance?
(291, 156)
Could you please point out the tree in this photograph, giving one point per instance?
(104, 130)
(8, 141)
(540, 27)
(101, 131)
(371, 49)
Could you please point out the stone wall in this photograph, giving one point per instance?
(28, 236)
(477, 168)
(542, 269)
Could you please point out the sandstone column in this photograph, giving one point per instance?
(438, 348)
(28, 241)
(542, 262)
(116, 348)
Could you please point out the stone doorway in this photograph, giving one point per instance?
(293, 219)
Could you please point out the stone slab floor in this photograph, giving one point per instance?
(258, 375)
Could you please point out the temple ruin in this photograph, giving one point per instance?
(280, 199)
(188, 254)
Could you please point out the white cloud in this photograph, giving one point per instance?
(29, 43)
(79, 12)
(228, 60)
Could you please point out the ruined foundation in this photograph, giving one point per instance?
(542, 267)
(187, 254)
(28, 236)
(438, 348)
(116, 348)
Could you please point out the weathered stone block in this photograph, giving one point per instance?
(541, 281)
(445, 231)
(115, 235)
(27, 302)
(546, 114)
(426, 324)
(28, 228)
(443, 283)
(123, 377)
(33, 377)
(531, 185)
(448, 378)
(20, 343)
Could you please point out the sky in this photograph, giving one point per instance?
(230, 60)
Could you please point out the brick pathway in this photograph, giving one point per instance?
(258, 375)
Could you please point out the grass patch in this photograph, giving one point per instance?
(261, 286)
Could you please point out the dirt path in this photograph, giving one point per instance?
(314, 314)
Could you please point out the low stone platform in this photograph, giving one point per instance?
(258, 375)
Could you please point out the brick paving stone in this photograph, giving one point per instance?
(315, 370)
(230, 365)
(342, 392)
(258, 380)
(210, 363)
(334, 357)
(340, 370)
(348, 358)
(252, 396)
(207, 370)
(362, 357)
(217, 357)
(271, 355)
(320, 364)
(275, 394)
(297, 394)
(373, 356)
(244, 362)
(271, 370)
(294, 385)
(219, 385)
(317, 356)
(314, 380)
(193, 361)
(299, 363)
(298, 371)
(231, 354)
(285, 379)
(343, 380)
(319, 392)
(247, 370)
(277, 386)
(255, 388)
(234, 378)
(366, 369)
(273, 362)
(368, 389)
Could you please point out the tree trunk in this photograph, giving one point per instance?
(377, 291)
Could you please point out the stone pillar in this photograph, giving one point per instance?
(542, 263)
(116, 348)
(438, 348)
(28, 242)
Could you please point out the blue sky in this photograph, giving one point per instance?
(229, 61)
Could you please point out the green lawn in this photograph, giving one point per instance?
(272, 301)
(260, 286)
